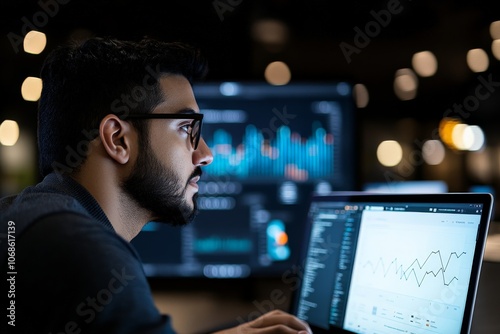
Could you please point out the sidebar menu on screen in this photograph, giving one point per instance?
(332, 240)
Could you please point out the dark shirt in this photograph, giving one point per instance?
(65, 268)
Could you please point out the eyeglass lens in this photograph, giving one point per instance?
(195, 133)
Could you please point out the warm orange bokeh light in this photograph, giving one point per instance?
(282, 239)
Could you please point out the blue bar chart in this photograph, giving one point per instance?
(289, 155)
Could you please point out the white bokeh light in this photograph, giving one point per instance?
(433, 152)
(389, 153)
(424, 63)
(31, 89)
(478, 139)
(34, 42)
(477, 60)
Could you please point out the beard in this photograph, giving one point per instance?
(160, 190)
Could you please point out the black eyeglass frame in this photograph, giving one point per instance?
(197, 118)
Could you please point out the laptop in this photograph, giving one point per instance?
(385, 263)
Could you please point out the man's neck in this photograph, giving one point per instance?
(102, 182)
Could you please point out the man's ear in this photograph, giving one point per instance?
(115, 135)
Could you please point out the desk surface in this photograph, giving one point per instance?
(213, 308)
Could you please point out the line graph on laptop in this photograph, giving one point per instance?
(433, 266)
(411, 269)
(407, 255)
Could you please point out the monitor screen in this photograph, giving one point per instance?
(273, 146)
(409, 187)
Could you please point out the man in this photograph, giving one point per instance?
(120, 145)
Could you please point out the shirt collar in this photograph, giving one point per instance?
(67, 185)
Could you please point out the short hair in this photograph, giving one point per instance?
(84, 83)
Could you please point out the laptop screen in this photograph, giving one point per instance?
(393, 263)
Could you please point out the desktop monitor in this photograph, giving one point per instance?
(273, 147)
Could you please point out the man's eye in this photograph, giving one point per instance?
(186, 128)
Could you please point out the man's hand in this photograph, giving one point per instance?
(274, 322)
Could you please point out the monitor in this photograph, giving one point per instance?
(273, 147)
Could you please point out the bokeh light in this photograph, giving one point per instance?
(31, 89)
(460, 137)
(405, 84)
(477, 60)
(34, 42)
(477, 137)
(361, 96)
(424, 63)
(9, 133)
(277, 73)
(495, 48)
(433, 152)
(389, 153)
(446, 130)
(495, 30)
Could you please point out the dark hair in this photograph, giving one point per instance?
(84, 83)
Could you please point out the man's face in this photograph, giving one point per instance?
(164, 178)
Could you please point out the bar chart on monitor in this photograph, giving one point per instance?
(302, 150)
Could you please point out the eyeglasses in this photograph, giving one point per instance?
(194, 134)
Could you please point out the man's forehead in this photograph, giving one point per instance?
(175, 82)
(177, 95)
